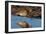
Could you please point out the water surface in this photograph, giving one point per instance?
(36, 22)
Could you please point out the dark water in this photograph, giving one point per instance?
(36, 22)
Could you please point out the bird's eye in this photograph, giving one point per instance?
(18, 15)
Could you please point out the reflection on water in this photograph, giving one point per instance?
(34, 21)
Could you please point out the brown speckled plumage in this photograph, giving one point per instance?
(26, 11)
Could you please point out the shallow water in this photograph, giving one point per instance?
(36, 22)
